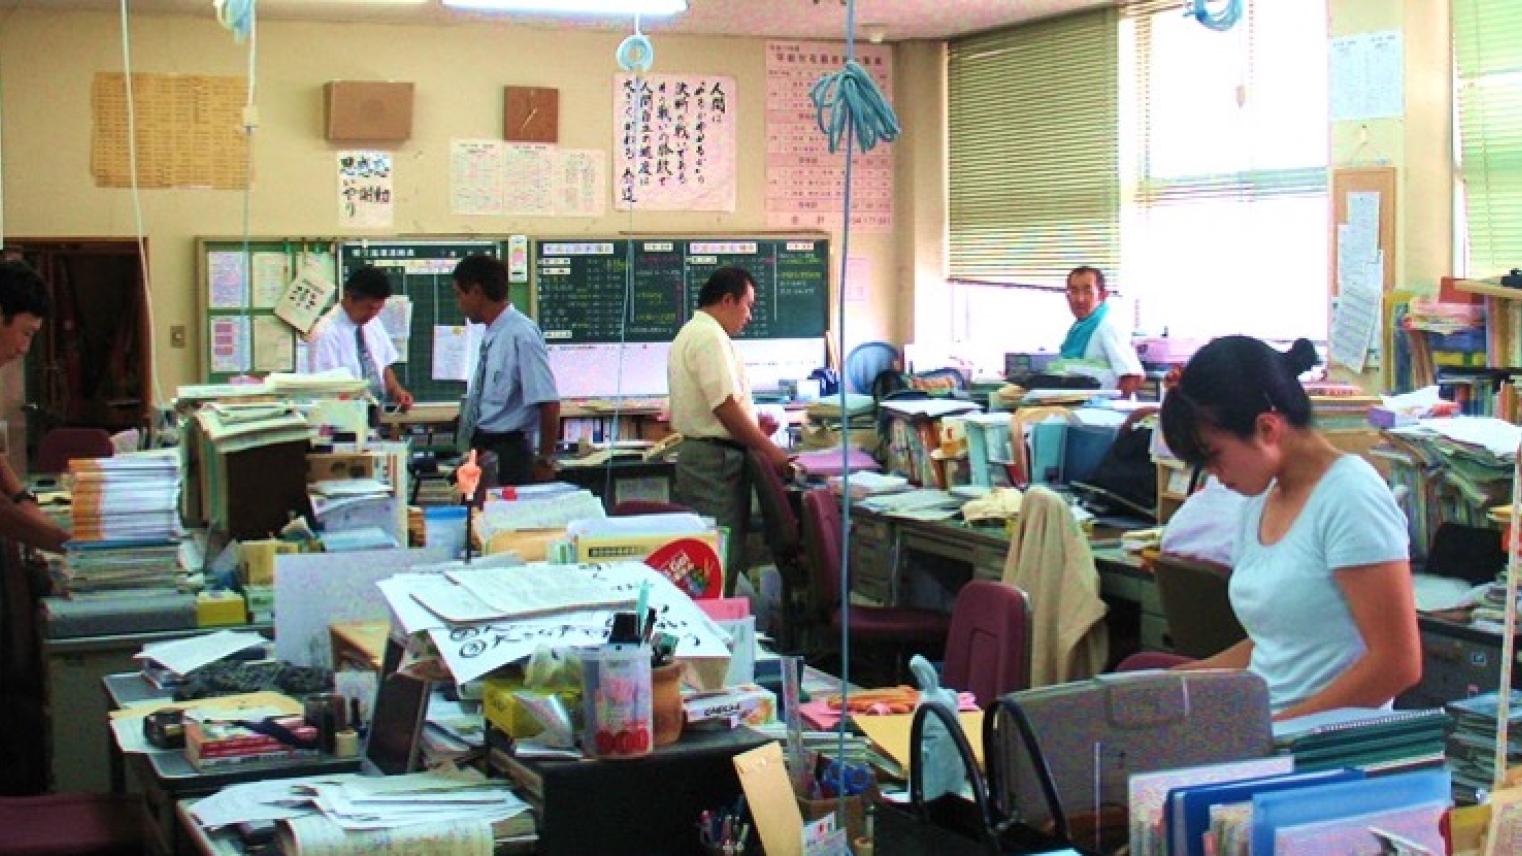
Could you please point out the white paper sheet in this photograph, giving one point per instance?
(475, 176)
(183, 656)
(1366, 76)
(226, 280)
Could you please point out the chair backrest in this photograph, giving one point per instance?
(866, 361)
(636, 507)
(781, 523)
(988, 649)
(1196, 605)
(1141, 661)
(821, 543)
(61, 445)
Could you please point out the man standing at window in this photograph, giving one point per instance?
(511, 399)
(711, 407)
(352, 337)
(1099, 339)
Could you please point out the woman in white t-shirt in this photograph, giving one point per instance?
(1321, 576)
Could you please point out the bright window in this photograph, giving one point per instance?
(1488, 81)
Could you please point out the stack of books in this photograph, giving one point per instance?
(213, 742)
(1366, 738)
(112, 566)
(1472, 743)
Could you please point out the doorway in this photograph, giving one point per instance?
(89, 364)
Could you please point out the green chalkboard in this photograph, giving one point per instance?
(581, 283)
(421, 270)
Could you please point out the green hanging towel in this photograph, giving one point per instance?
(1081, 332)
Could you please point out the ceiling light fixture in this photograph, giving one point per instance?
(575, 7)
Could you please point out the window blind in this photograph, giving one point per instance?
(1032, 126)
(1487, 52)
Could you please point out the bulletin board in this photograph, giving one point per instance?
(236, 292)
(1363, 183)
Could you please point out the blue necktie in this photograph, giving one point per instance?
(368, 369)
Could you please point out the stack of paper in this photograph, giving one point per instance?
(331, 382)
(482, 619)
(133, 496)
(235, 427)
(105, 566)
(1472, 743)
(442, 811)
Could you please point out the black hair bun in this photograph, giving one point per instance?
(1301, 357)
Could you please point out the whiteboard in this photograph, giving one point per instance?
(601, 370)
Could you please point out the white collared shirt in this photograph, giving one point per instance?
(333, 345)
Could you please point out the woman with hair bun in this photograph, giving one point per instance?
(1321, 578)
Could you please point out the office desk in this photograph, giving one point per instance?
(74, 668)
(224, 842)
(168, 777)
(925, 563)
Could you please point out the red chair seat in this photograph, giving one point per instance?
(892, 622)
(86, 824)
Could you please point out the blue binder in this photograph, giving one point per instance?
(1300, 806)
(1189, 808)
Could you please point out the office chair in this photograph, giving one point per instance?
(895, 628)
(780, 530)
(865, 362)
(74, 824)
(988, 648)
(61, 445)
(1195, 602)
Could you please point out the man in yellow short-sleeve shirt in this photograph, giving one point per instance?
(711, 407)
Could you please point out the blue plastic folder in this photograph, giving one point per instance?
(1271, 811)
(1189, 808)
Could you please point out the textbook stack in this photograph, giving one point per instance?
(1370, 739)
(1472, 743)
(213, 743)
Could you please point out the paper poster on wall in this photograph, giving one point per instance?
(396, 317)
(858, 278)
(364, 189)
(528, 179)
(451, 352)
(805, 183)
(272, 270)
(1365, 77)
(229, 344)
(226, 280)
(674, 142)
(581, 183)
(274, 345)
(475, 176)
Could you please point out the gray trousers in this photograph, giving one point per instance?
(713, 479)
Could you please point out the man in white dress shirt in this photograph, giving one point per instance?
(352, 337)
(1099, 338)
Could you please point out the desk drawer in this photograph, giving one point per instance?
(1454, 668)
(947, 546)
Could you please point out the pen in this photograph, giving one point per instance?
(639, 607)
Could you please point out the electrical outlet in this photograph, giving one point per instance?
(177, 336)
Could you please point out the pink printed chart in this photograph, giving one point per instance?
(674, 142)
(805, 182)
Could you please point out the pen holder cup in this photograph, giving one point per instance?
(616, 699)
(666, 703)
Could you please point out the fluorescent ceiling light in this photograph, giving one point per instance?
(576, 7)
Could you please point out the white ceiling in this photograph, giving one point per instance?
(899, 19)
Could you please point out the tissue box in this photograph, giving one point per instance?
(504, 712)
(220, 609)
(751, 704)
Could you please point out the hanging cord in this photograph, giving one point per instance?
(848, 104)
(1222, 20)
(635, 54)
(142, 235)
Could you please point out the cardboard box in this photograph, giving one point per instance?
(328, 466)
(750, 703)
(368, 111)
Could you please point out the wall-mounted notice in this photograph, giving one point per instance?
(475, 177)
(805, 183)
(364, 190)
(674, 142)
(229, 343)
(1365, 76)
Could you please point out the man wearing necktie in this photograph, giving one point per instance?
(352, 337)
(511, 406)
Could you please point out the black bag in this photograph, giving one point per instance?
(1047, 380)
(1125, 482)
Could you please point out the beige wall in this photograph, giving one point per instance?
(48, 60)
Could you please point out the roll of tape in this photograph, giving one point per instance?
(636, 54)
(346, 743)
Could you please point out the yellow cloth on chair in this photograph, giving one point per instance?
(1049, 559)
